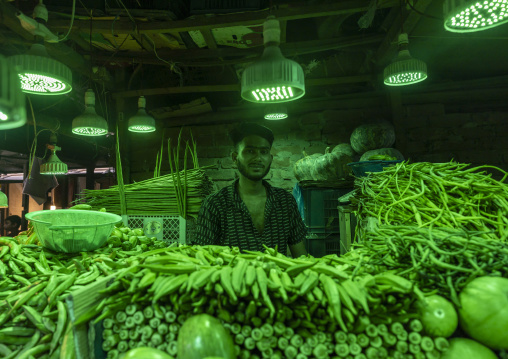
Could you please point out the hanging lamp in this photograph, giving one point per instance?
(4, 201)
(276, 112)
(39, 73)
(141, 121)
(89, 123)
(273, 78)
(405, 70)
(12, 100)
(53, 166)
(470, 16)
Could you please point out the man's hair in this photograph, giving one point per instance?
(14, 219)
(244, 129)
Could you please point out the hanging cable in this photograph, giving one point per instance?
(72, 21)
(421, 13)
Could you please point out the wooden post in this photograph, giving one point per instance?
(25, 200)
(90, 176)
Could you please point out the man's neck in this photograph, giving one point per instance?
(247, 187)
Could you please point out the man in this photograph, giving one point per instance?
(11, 226)
(250, 212)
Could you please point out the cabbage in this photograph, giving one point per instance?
(462, 348)
(484, 311)
(392, 152)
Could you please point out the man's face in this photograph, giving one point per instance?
(9, 225)
(253, 158)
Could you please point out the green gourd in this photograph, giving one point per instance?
(203, 336)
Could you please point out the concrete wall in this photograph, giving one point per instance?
(424, 133)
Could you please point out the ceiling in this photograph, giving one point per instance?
(175, 52)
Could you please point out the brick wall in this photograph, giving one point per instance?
(425, 133)
(430, 133)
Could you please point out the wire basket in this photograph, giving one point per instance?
(73, 230)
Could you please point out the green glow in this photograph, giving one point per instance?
(40, 84)
(3, 116)
(406, 78)
(276, 116)
(273, 94)
(89, 131)
(139, 128)
(54, 173)
(476, 16)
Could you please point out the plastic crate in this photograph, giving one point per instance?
(222, 6)
(360, 169)
(165, 228)
(320, 209)
(321, 246)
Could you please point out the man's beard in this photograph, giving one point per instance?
(253, 177)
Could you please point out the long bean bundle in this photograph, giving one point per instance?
(436, 194)
(442, 260)
(154, 196)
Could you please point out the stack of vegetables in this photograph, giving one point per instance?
(34, 282)
(273, 306)
(438, 195)
(179, 193)
(172, 194)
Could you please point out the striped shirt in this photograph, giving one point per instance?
(225, 220)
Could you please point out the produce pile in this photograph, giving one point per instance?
(273, 306)
(436, 194)
(438, 260)
(34, 282)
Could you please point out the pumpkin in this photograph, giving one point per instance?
(347, 149)
(392, 152)
(203, 336)
(371, 136)
(331, 166)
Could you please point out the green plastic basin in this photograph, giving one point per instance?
(73, 230)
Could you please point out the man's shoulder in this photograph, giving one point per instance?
(220, 195)
(279, 192)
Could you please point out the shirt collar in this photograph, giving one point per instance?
(235, 196)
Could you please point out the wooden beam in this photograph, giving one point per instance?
(209, 39)
(247, 55)
(288, 11)
(236, 87)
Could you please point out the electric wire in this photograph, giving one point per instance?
(72, 21)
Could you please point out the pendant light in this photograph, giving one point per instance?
(53, 166)
(89, 123)
(273, 78)
(12, 100)
(141, 121)
(405, 70)
(470, 16)
(276, 112)
(39, 73)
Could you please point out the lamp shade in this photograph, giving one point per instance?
(89, 123)
(4, 202)
(53, 166)
(12, 100)
(141, 121)
(276, 112)
(272, 78)
(470, 16)
(40, 74)
(405, 70)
